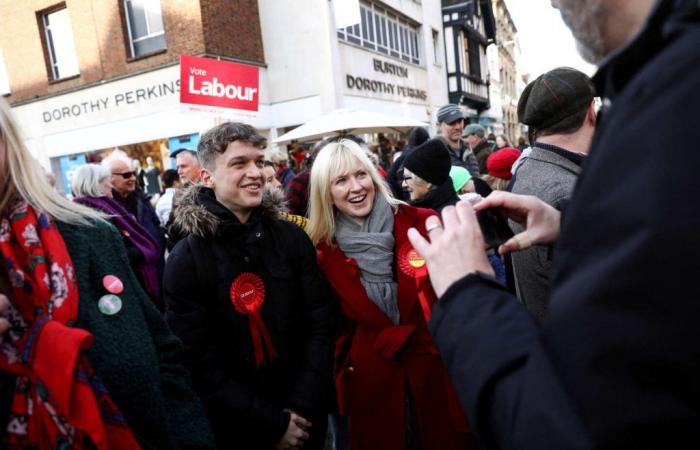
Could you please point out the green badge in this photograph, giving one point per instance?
(109, 304)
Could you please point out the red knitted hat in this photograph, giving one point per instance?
(500, 162)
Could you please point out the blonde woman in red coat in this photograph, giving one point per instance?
(391, 383)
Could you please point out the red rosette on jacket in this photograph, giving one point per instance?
(247, 296)
(413, 265)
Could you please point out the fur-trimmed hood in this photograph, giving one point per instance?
(193, 217)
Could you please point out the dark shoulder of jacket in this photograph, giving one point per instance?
(93, 231)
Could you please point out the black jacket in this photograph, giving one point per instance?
(618, 364)
(246, 403)
(482, 151)
(436, 199)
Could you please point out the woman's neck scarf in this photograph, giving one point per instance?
(58, 400)
(135, 233)
(372, 246)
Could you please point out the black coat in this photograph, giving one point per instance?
(618, 363)
(439, 197)
(246, 403)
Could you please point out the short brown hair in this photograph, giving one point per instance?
(215, 141)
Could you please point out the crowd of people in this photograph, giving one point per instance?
(370, 300)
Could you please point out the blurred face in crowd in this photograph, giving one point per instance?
(352, 192)
(500, 142)
(123, 178)
(473, 140)
(452, 131)
(237, 178)
(586, 21)
(416, 188)
(188, 168)
(105, 187)
(270, 178)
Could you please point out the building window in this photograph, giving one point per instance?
(474, 50)
(60, 44)
(144, 21)
(4, 81)
(384, 32)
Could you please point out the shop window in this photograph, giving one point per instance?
(4, 81)
(60, 45)
(384, 33)
(144, 20)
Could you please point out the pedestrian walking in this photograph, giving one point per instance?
(390, 382)
(244, 293)
(92, 188)
(616, 364)
(87, 361)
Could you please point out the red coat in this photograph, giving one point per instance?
(377, 361)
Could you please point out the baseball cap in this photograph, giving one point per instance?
(449, 113)
(474, 128)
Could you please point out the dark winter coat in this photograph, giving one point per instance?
(138, 204)
(439, 197)
(617, 365)
(134, 353)
(464, 157)
(245, 403)
(378, 363)
(482, 151)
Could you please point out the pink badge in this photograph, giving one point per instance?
(113, 284)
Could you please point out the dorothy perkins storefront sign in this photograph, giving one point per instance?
(367, 84)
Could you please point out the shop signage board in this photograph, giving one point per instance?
(209, 85)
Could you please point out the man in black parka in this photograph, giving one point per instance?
(246, 297)
(618, 364)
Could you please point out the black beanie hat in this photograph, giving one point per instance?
(554, 96)
(430, 161)
(417, 136)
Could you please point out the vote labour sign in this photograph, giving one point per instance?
(208, 82)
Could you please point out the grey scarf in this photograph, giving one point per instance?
(372, 246)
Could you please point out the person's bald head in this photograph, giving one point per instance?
(188, 167)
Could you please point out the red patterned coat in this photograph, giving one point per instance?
(378, 362)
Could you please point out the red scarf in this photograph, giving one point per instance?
(58, 401)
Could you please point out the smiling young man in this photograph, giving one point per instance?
(246, 297)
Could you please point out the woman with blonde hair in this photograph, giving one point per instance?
(87, 362)
(390, 380)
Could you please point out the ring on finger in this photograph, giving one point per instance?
(433, 227)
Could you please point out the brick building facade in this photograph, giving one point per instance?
(226, 28)
(85, 77)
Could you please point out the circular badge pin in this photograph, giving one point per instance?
(409, 259)
(247, 293)
(109, 304)
(112, 284)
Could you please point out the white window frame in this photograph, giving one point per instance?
(149, 34)
(385, 33)
(51, 46)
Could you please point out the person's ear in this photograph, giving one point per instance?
(592, 115)
(206, 177)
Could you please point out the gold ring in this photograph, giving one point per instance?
(432, 227)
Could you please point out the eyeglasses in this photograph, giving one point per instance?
(125, 175)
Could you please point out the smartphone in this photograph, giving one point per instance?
(494, 227)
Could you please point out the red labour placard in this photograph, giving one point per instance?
(205, 81)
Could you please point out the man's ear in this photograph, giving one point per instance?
(206, 178)
(592, 115)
